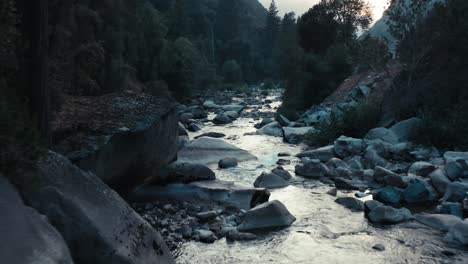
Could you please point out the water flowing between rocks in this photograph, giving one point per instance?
(325, 232)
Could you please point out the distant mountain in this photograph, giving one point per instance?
(380, 28)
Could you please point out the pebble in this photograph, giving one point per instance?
(379, 247)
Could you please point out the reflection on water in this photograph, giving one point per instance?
(324, 231)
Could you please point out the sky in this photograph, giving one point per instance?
(301, 6)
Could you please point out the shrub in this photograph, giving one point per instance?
(353, 123)
(232, 72)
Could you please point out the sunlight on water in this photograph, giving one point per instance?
(324, 231)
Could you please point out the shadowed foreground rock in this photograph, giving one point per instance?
(121, 137)
(98, 226)
(217, 191)
(266, 216)
(27, 237)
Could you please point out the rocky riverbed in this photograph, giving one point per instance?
(328, 193)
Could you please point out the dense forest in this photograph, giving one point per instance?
(125, 123)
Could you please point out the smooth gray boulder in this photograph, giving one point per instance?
(232, 114)
(270, 215)
(449, 208)
(122, 137)
(323, 154)
(455, 156)
(210, 104)
(233, 107)
(264, 122)
(273, 129)
(207, 150)
(441, 222)
(346, 146)
(194, 127)
(228, 163)
(27, 236)
(389, 195)
(84, 209)
(296, 135)
(270, 180)
(216, 192)
(439, 180)
(454, 170)
(280, 171)
(313, 169)
(383, 134)
(384, 176)
(183, 172)
(419, 191)
(282, 120)
(388, 215)
(197, 112)
(345, 184)
(407, 129)
(351, 203)
(421, 168)
(222, 119)
(455, 192)
(458, 233)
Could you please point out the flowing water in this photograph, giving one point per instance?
(324, 231)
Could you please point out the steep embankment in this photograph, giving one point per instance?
(122, 137)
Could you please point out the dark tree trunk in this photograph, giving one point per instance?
(35, 67)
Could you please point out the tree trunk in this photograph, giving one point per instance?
(34, 68)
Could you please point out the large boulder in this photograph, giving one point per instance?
(197, 112)
(383, 134)
(85, 210)
(441, 222)
(270, 215)
(419, 191)
(389, 195)
(458, 233)
(270, 180)
(421, 168)
(232, 115)
(384, 176)
(346, 146)
(121, 137)
(406, 130)
(207, 150)
(273, 129)
(323, 154)
(27, 237)
(214, 192)
(296, 135)
(280, 171)
(388, 215)
(226, 163)
(222, 119)
(454, 170)
(234, 107)
(313, 169)
(351, 203)
(210, 104)
(456, 192)
(183, 172)
(455, 156)
(439, 180)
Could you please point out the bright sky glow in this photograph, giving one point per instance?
(301, 6)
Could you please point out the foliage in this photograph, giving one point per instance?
(353, 123)
(232, 72)
(19, 140)
(434, 83)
